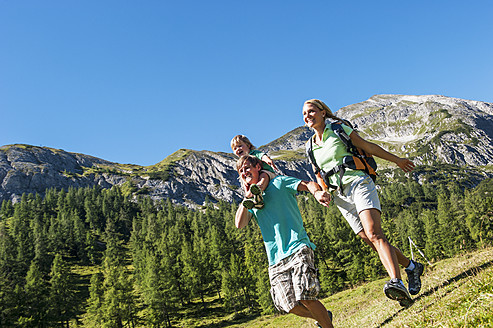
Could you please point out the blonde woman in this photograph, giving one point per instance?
(357, 198)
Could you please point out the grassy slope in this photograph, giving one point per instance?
(456, 292)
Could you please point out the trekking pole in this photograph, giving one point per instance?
(411, 244)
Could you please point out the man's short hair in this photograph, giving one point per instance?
(247, 158)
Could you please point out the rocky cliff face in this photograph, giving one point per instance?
(29, 169)
(428, 129)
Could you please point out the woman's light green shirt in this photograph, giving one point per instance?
(331, 153)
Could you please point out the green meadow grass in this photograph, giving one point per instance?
(456, 292)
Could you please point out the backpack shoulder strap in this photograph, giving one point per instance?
(309, 154)
(346, 140)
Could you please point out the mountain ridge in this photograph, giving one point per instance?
(429, 129)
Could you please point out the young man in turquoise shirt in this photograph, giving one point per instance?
(292, 274)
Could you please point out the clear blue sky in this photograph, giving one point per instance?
(134, 81)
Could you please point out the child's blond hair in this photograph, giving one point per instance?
(241, 138)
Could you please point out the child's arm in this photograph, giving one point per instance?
(269, 161)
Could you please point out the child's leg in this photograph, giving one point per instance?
(263, 181)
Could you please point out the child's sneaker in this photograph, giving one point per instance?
(413, 278)
(257, 193)
(248, 203)
(330, 316)
(395, 290)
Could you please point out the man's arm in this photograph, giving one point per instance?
(242, 217)
(323, 197)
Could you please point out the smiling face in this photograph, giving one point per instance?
(249, 173)
(313, 116)
(240, 148)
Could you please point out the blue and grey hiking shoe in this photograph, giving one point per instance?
(395, 290)
(330, 316)
(413, 277)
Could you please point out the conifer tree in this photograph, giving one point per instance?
(21, 232)
(9, 278)
(41, 255)
(61, 299)
(118, 307)
(94, 315)
(35, 307)
(258, 278)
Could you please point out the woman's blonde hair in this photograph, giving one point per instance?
(324, 108)
(241, 138)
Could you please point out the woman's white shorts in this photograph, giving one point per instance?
(359, 195)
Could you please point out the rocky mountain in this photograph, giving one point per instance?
(431, 130)
(428, 129)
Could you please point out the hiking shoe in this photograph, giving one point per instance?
(257, 193)
(413, 277)
(259, 205)
(248, 203)
(395, 290)
(330, 316)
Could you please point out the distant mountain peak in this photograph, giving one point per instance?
(429, 129)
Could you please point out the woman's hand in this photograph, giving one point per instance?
(405, 164)
(322, 197)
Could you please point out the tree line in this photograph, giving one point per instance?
(96, 257)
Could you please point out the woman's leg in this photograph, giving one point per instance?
(371, 221)
(401, 258)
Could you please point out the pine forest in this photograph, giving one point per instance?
(95, 257)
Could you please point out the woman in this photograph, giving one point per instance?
(358, 200)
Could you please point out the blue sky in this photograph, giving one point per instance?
(134, 81)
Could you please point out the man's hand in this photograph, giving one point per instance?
(314, 188)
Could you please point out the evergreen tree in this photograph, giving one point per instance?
(94, 315)
(236, 284)
(35, 307)
(62, 307)
(9, 278)
(118, 306)
(41, 255)
(21, 232)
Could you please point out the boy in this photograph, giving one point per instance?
(241, 146)
(292, 272)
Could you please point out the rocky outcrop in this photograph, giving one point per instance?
(428, 129)
(30, 169)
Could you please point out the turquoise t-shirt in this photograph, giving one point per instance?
(259, 155)
(280, 219)
(331, 153)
